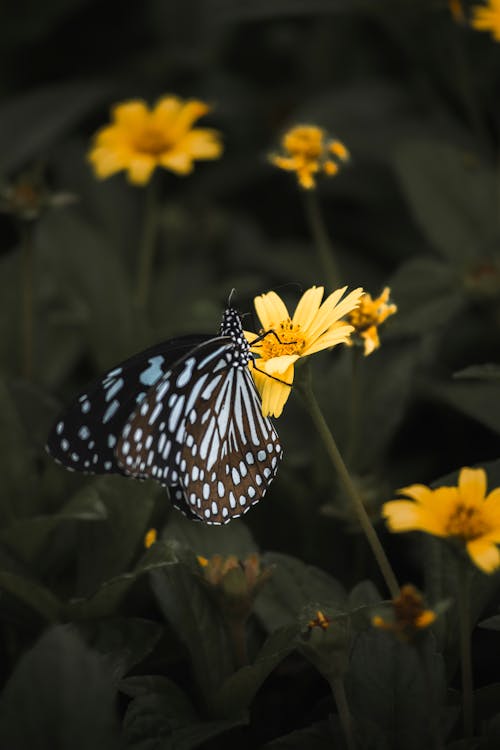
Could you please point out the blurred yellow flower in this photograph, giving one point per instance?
(367, 317)
(140, 139)
(313, 327)
(487, 18)
(309, 152)
(408, 615)
(150, 538)
(463, 513)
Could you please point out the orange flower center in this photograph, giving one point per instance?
(151, 141)
(286, 338)
(364, 317)
(466, 522)
(306, 141)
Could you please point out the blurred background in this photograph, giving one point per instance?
(411, 90)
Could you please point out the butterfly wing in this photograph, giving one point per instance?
(84, 437)
(200, 431)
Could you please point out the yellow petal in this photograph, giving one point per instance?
(177, 161)
(201, 144)
(337, 335)
(308, 307)
(403, 515)
(140, 169)
(472, 484)
(190, 112)
(165, 111)
(484, 554)
(106, 162)
(332, 310)
(131, 115)
(271, 310)
(371, 340)
(277, 366)
(275, 394)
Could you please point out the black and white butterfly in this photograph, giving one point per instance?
(186, 413)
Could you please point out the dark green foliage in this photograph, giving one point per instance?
(106, 644)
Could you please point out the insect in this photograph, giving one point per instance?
(185, 413)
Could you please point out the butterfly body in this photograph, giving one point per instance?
(185, 413)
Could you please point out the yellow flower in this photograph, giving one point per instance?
(408, 615)
(487, 18)
(140, 139)
(150, 538)
(313, 327)
(463, 513)
(308, 152)
(367, 317)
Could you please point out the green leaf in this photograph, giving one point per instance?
(26, 537)
(54, 109)
(60, 695)
(452, 196)
(33, 594)
(231, 539)
(428, 294)
(197, 623)
(87, 267)
(476, 399)
(105, 600)
(238, 691)
(292, 586)
(491, 623)
(123, 641)
(108, 548)
(479, 372)
(161, 717)
(386, 685)
(18, 495)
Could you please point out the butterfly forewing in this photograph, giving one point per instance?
(85, 436)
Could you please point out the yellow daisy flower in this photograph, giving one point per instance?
(308, 152)
(140, 139)
(408, 615)
(367, 317)
(487, 18)
(463, 513)
(313, 327)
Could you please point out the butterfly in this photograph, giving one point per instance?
(185, 413)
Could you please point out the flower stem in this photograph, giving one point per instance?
(27, 297)
(463, 604)
(305, 389)
(352, 443)
(338, 692)
(237, 635)
(321, 239)
(148, 246)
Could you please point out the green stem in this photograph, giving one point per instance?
(236, 629)
(463, 604)
(345, 718)
(352, 443)
(431, 698)
(321, 239)
(305, 389)
(148, 246)
(27, 297)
